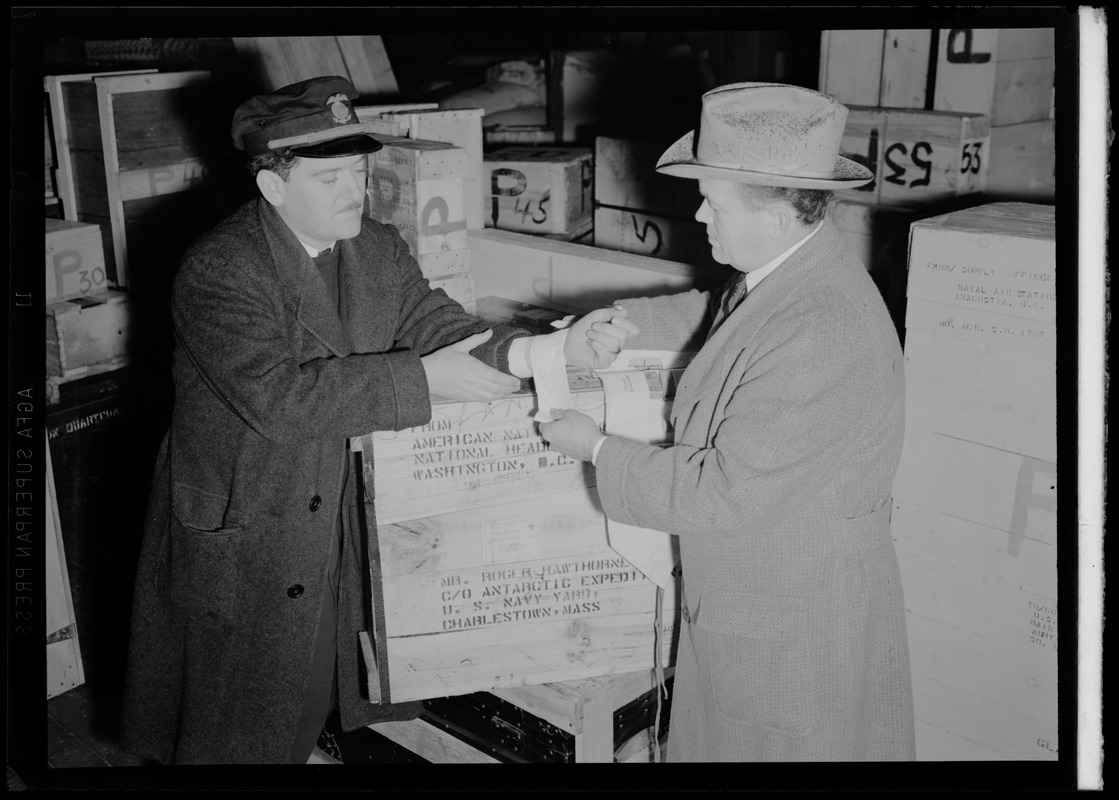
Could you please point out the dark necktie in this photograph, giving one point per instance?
(732, 293)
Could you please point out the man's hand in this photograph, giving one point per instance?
(572, 433)
(594, 341)
(455, 374)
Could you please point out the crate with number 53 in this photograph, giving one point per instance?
(917, 156)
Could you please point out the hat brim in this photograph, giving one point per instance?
(356, 145)
(679, 160)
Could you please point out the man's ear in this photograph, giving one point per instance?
(781, 218)
(271, 187)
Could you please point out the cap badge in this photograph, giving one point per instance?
(339, 106)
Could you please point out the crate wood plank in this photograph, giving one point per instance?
(978, 726)
(851, 65)
(998, 258)
(367, 64)
(526, 591)
(1023, 161)
(1015, 425)
(905, 69)
(1004, 374)
(652, 235)
(100, 328)
(983, 327)
(429, 742)
(64, 657)
(539, 271)
(997, 488)
(1023, 91)
(936, 744)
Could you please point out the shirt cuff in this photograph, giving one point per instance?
(519, 364)
(597, 447)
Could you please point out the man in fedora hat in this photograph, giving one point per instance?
(788, 430)
(297, 326)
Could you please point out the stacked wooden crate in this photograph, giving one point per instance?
(974, 514)
(943, 117)
(134, 152)
(637, 210)
(427, 181)
(546, 191)
(492, 568)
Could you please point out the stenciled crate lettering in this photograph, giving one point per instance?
(168, 179)
(979, 259)
(473, 454)
(525, 591)
(75, 260)
(650, 235)
(540, 190)
(980, 325)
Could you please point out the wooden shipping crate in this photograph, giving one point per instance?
(135, 153)
(75, 260)
(524, 592)
(982, 622)
(1026, 427)
(1005, 74)
(652, 235)
(1003, 490)
(1023, 162)
(461, 127)
(998, 257)
(478, 454)
(112, 326)
(539, 190)
(417, 186)
(917, 156)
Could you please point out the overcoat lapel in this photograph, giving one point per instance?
(314, 309)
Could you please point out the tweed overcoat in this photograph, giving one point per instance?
(248, 488)
(788, 430)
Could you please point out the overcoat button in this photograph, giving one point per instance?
(316, 501)
(295, 591)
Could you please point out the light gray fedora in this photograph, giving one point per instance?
(769, 134)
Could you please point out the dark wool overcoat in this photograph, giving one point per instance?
(269, 386)
(788, 431)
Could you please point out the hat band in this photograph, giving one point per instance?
(317, 136)
(753, 164)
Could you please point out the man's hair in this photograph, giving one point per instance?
(279, 161)
(809, 204)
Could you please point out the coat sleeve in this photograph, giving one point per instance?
(231, 323)
(780, 436)
(676, 322)
(429, 319)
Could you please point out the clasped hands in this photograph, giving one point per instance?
(593, 342)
